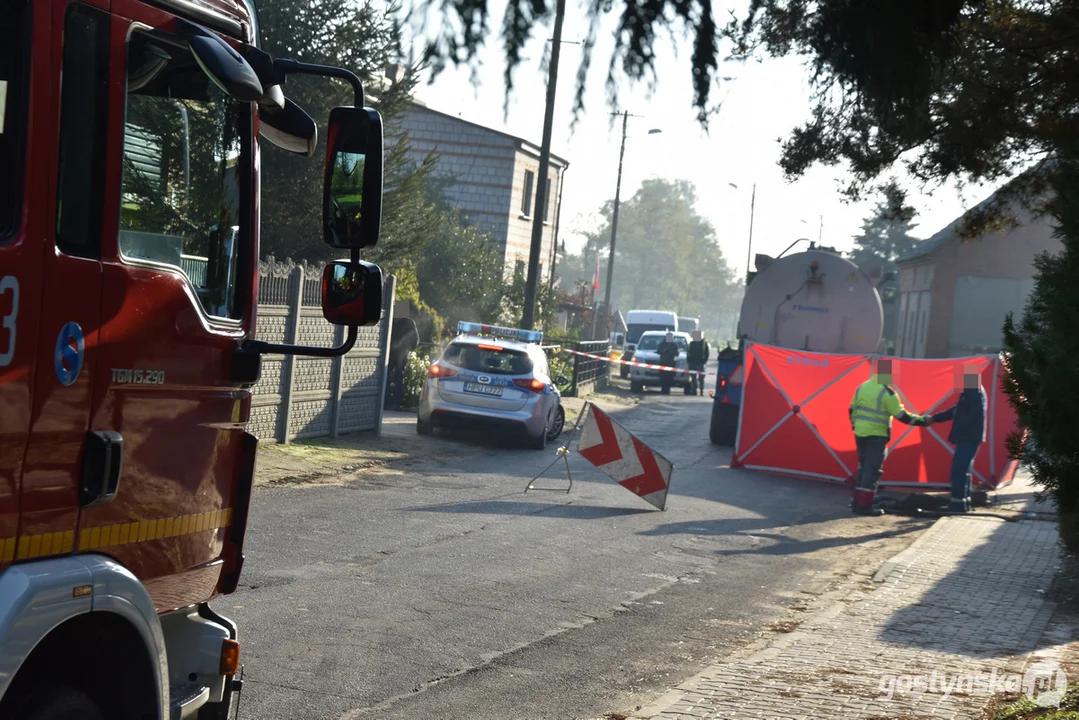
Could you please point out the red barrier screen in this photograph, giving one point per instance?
(794, 417)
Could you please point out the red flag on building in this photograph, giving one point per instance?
(595, 275)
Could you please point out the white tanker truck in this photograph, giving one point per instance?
(814, 300)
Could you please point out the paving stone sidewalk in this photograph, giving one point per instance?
(967, 598)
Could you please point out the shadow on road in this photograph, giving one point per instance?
(561, 511)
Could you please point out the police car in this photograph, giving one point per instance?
(493, 377)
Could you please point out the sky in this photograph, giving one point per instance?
(762, 103)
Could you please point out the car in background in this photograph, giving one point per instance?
(496, 378)
(688, 324)
(639, 322)
(641, 378)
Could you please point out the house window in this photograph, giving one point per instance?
(526, 197)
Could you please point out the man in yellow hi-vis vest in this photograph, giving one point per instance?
(874, 405)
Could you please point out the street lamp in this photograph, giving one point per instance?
(614, 216)
(749, 247)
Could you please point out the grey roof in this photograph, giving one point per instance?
(524, 144)
(931, 244)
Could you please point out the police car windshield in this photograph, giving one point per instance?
(478, 358)
(651, 342)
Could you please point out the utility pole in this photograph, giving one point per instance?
(557, 224)
(614, 218)
(528, 319)
(749, 248)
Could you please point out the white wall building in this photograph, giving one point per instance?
(494, 180)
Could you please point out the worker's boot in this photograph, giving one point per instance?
(863, 503)
(958, 505)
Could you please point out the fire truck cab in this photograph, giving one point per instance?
(130, 136)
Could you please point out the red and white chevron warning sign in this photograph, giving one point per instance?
(625, 459)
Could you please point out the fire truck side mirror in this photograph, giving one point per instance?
(223, 65)
(288, 127)
(352, 184)
(352, 293)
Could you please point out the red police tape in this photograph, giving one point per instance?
(794, 417)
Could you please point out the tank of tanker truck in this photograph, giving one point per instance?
(813, 300)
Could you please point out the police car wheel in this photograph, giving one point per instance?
(539, 442)
(559, 423)
(635, 386)
(424, 428)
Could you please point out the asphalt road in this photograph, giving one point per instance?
(445, 592)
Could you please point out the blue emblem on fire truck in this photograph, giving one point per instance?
(69, 352)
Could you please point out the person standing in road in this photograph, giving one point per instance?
(404, 338)
(697, 358)
(874, 405)
(968, 417)
(668, 355)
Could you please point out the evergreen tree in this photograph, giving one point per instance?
(1041, 352)
(886, 234)
(364, 38)
(460, 272)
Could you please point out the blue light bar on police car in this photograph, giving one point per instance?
(471, 328)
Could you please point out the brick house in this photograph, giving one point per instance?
(954, 296)
(493, 180)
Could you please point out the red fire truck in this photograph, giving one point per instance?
(130, 135)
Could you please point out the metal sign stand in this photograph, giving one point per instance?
(563, 454)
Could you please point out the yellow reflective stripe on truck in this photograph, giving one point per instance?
(56, 543)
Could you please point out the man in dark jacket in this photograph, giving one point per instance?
(968, 417)
(697, 358)
(668, 355)
(404, 338)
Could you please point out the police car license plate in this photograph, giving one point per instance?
(483, 389)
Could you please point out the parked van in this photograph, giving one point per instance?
(639, 322)
(688, 324)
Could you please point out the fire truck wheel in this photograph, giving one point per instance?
(62, 703)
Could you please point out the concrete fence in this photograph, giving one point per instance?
(304, 397)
